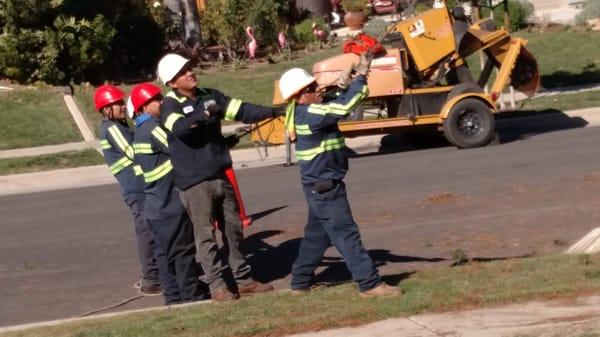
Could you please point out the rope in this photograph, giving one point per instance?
(122, 303)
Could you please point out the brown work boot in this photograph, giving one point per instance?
(382, 290)
(223, 295)
(299, 292)
(255, 288)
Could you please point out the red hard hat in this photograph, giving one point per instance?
(107, 94)
(142, 93)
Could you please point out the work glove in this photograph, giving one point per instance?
(344, 80)
(279, 111)
(231, 141)
(362, 68)
(213, 109)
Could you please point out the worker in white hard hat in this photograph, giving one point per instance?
(320, 151)
(200, 155)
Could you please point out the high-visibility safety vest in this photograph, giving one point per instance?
(151, 148)
(320, 146)
(197, 147)
(116, 144)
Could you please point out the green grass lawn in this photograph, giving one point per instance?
(34, 117)
(50, 162)
(436, 289)
(251, 82)
(564, 58)
(562, 102)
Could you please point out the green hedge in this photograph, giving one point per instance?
(64, 41)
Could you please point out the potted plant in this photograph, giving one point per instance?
(356, 13)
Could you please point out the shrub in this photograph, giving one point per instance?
(34, 50)
(519, 11)
(355, 5)
(229, 19)
(302, 33)
(590, 10)
(60, 41)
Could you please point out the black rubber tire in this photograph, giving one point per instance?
(470, 123)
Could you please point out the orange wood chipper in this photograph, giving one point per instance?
(422, 79)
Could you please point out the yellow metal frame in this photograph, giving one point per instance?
(507, 65)
(454, 100)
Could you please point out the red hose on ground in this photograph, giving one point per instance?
(246, 220)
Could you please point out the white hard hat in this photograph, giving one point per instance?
(169, 66)
(293, 81)
(130, 109)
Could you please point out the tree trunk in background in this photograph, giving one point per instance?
(314, 8)
(186, 13)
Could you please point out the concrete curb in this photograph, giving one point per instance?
(507, 320)
(48, 149)
(99, 175)
(22, 327)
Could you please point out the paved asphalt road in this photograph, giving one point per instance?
(66, 252)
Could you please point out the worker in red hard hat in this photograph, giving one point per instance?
(200, 156)
(116, 142)
(163, 209)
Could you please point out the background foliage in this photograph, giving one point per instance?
(62, 41)
(590, 10)
(229, 18)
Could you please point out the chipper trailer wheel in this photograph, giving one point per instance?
(470, 123)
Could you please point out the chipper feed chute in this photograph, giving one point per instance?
(517, 67)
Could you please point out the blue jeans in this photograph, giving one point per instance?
(330, 221)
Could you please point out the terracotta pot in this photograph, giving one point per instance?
(355, 20)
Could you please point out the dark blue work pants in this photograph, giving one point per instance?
(330, 221)
(145, 241)
(175, 237)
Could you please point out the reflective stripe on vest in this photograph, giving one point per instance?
(325, 146)
(120, 165)
(173, 117)
(142, 148)
(161, 136)
(159, 172)
(232, 109)
(121, 141)
(303, 130)
(105, 144)
(173, 95)
(336, 108)
(137, 169)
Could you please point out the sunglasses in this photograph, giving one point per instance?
(309, 89)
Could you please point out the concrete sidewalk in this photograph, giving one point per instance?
(571, 317)
(99, 174)
(77, 146)
(579, 316)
